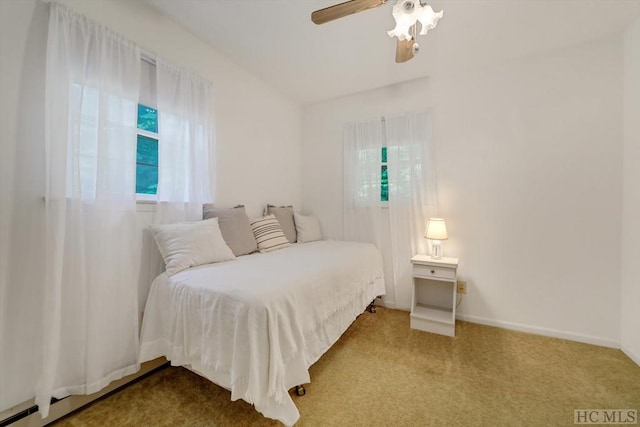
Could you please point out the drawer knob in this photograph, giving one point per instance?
(433, 272)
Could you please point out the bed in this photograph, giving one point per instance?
(256, 324)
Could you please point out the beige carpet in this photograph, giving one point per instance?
(382, 373)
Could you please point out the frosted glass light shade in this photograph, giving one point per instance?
(436, 229)
(429, 19)
(407, 12)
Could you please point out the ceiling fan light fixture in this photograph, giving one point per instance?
(407, 12)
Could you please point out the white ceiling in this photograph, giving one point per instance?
(276, 40)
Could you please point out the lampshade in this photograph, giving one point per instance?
(436, 229)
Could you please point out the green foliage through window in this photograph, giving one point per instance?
(147, 151)
(384, 178)
(384, 184)
(147, 118)
(147, 165)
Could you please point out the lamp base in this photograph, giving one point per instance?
(436, 249)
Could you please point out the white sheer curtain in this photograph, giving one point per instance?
(413, 194)
(92, 248)
(362, 145)
(186, 147)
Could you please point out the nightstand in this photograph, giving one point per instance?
(433, 304)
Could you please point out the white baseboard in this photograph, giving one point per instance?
(554, 333)
(387, 303)
(65, 406)
(630, 354)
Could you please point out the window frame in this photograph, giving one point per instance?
(384, 166)
(145, 197)
(148, 98)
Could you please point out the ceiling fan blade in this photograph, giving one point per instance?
(344, 9)
(404, 48)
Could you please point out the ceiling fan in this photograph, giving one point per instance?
(407, 14)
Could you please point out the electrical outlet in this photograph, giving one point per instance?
(462, 287)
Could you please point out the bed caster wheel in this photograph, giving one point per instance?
(371, 308)
(300, 391)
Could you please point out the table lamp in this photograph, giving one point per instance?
(436, 232)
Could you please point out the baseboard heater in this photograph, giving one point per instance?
(26, 414)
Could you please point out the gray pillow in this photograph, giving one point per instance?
(235, 228)
(284, 215)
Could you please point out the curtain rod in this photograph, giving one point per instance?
(145, 55)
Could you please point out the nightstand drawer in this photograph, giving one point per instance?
(427, 271)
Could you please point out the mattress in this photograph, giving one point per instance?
(256, 324)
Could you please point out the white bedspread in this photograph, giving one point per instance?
(256, 324)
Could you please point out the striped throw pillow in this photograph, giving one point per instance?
(268, 234)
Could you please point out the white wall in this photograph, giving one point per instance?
(529, 157)
(630, 326)
(255, 126)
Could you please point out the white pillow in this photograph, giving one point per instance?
(307, 227)
(268, 234)
(188, 244)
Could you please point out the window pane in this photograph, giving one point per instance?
(148, 88)
(146, 179)
(147, 152)
(384, 154)
(384, 184)
(147, 118)
(147, 165)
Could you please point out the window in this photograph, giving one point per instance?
(147, 151)
(384, 178)
(148, 139)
